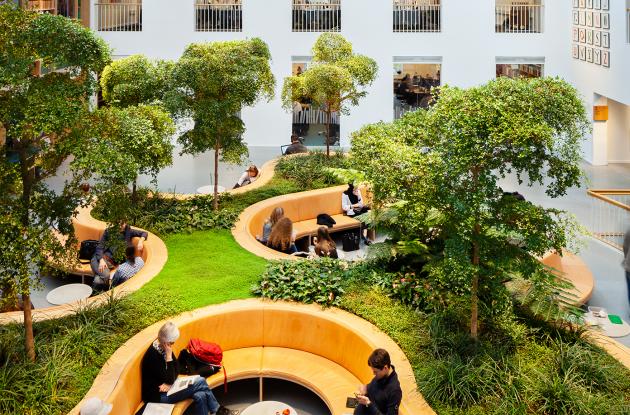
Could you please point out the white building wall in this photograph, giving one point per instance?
(467, 44)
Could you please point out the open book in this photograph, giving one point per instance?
(182, 383)
(158, 409)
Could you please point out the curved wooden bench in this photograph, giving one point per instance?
(302, 208)
(87, 227)
(323, 350)
(265, 174)
(569, 267)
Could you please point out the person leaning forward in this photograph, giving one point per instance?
(382, 396)
(104, 260)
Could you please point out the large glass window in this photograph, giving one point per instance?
(519, 16)
(309, 121)
(412, 85)
(515, 70)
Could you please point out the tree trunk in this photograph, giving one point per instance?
(28, 177)
(215, 200)
(474, 306)
(29, 340)
(328, 133)
(134, 188)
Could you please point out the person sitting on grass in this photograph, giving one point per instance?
(104, 259)
(325, 246)
(275, 216)
(249, 176)
(159, 369)
(129, 268)
(282, 238)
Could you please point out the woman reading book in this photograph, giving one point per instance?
(159, 371)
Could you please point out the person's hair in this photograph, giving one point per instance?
(254, 169)
(280, 237)
(276, 215)
(130, 254)
(168, 333)
(379, 359)
(294, 138)
(325, 244)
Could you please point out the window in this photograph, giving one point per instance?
(309, 122)
(218, 16)
(417, 15)
(519, 16)
(520, 67)
(413, 83)
(316, 15)
(119, 15)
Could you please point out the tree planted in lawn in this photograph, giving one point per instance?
(335, 81)
(440, 168)
(212, 82)
(134, 87)
(43, 116)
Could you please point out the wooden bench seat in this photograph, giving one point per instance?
(323, 350)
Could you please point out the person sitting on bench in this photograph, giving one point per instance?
(352, 205)
(295, 147)
(104, 259)
(325, 246)
(282, 238)
(159, 369)
(129, 268)
(276, 215)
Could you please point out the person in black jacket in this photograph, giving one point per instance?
(383, 394)
(159, 369)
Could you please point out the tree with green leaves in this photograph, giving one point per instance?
(44, 117)
(335, 81)
(438, 172)
(134, 87)
(212, 82)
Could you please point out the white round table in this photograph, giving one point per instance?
(606, 326)
(69, 293)
(268, 408)
(209, 189)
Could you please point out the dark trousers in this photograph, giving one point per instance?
(203, 399)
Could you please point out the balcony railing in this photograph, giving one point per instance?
(214, 17)
(519, 19)
(119, 17)
(409, 16)
(43, 5)
(610, 215)
(317, 16)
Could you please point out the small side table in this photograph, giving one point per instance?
(69, 293)
(268, 408)
(608, 328)
(209, 189)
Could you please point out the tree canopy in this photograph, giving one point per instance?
(335, 81)
(44, 117)
(212, 82)
(438, 172)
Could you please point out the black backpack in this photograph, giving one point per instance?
(87, 250)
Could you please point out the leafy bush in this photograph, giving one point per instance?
(309, 171)
(315, 281)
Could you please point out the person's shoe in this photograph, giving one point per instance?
(367, 242)
(225, 411)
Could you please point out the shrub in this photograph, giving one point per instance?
(309, 170)
(314, 281)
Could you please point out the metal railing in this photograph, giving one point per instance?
(314, 117)
(211, 16)
(409, 16)
(119, 17)
(42, 5)
(519, 18)
(317, 16)
(610, 215)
